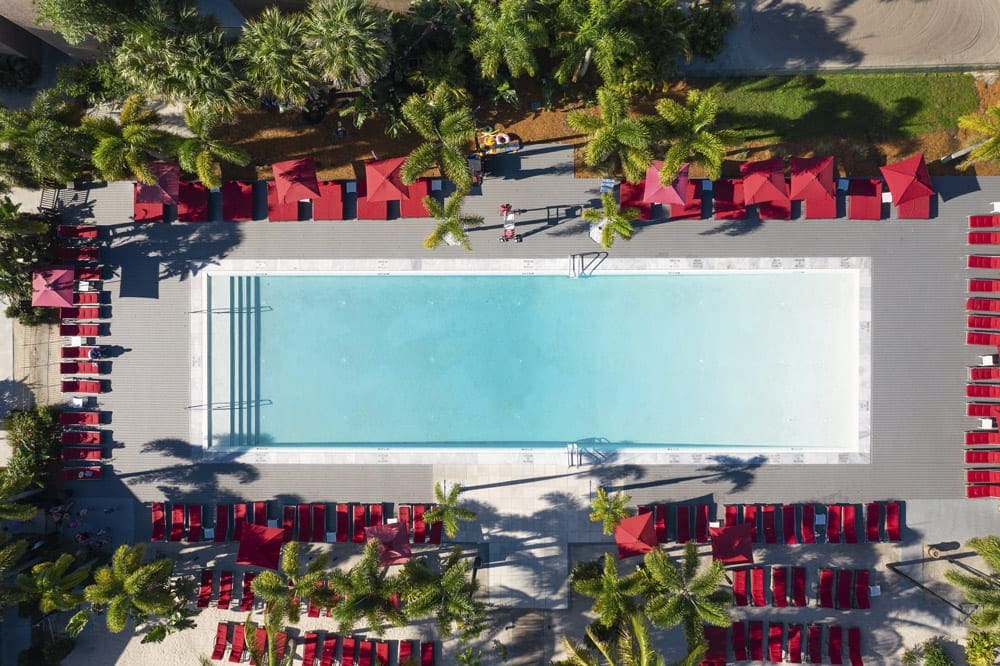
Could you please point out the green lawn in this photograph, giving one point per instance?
(872, 106)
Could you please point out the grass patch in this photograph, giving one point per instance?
(869, 106)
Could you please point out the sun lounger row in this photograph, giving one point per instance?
(748, 643)
(239, 646)
(852, 589)
(185, 519)
(673, 521)
(753, 579)
(882, 522)
(223, 599)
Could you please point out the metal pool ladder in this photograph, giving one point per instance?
(585, 263)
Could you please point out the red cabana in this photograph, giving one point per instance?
(908, 180)
(812, 177)
(657, 192)
(732, 544)
(295, 179)
(384, 182)
(260, 546)
(52, 287)
(764, 182)
(166, 188)
(394, 543)
(635, 536)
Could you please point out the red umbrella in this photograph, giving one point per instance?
(908, 180)
(260, 546)
(764, 182)
(812, 177)
(657, 192)
(52, 287)
(635, 536)
(733, 544)
(394, 543)
(384, 183)
(166, 188)
(295, 179)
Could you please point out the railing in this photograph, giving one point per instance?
(585, 263)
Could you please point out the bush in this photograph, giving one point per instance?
(707, 25)
(17, 72)
(34, 436)
(982, 647)
(934, 654)
(28, 315)
(58, 650)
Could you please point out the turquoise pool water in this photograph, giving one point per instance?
(743, 359)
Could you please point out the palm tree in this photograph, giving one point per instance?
(40, 144)
(274, 57)
(616, 142)
(197, 154)
(982, 590)
(15, 223)
(692, 134)
(126, 147)
(633, 647)
(52, 584)
(11, 486)
(347, 41)
(10, 555)
(445, 122)
(368, 592)
(447, 511)
(506, 33)
(614, 596)
(598, 37)
(612, 220)
(449, 596)
(986, 125)
(609, 510)
(680, 594)
(451, 224)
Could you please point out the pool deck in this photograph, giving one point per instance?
(531, 513)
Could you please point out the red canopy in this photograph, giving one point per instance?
(733, 544)
(908, 180)
(295, 179)
(635, 536)
(260, 546)
(657, 192)
(764, 182)
(812, 177)
(394, 543)
(384, 183)
(52, 287)
(165, 189)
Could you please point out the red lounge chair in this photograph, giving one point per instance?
(313, 608)
(778, 210)
(343, 523)
(982, 476)
(225, 589)
(788, 524)
(145, 212)
(981, 221)
(815, 637)
(305, 523)
(980, 458)
(750, 516)
(381, 647)
(826, 588)
(246, 594)
(374, 515)
(864, 199)
(756, 640)
(75, 352)
(260, 640)
(80, 418)
(434, 537)
(329, 649)
(974, 409)
(740, 586)
(90, 274)
(81, 437)
(643, 510)
(194, 523)
(277, 211)
(732, 515)
(86, 386)
(176, 522)
(79, 368)
(854, 646)
(81, 330)
(365, 653)
(833, 523)
(984, 323)
(347, 659)
(861, 599)
(775, 641)
(221, 522)
(205, 590)
(288, 522)
(414, 206)
(821, 208)
(845, 586)
(972, 438)
(982, 391)
(318, 523)
(892, 532)
(715, 637)
(850, 524)
(799, 586)
(86, 231)
(419, 527)
(359, 523)
(309, 649)
(427, 654)
(239, 519)
(192, 203)
(280, 643)
(807, 523)
(159, 522)
(758, 595)
(660, 523)
(727, 199)
(836, 645)
(683, 523)
(692, 208)
(79, 313)
(991, 339)
(769, 522)
(630, 196)
(983, 304)
(239, 641)
(330, 203)
(80, 254)
(779, 586)
(976, 492)
(220, 641)
(980, 261)
(873, 522)
(260, 513)
(368, 210)
(915, 209)
(86, 298)
(237, 201)
(77, 453)
(739, 631)
(794, 644)
(701, 514)
(404, 516)
(978, 374)
(982, 285)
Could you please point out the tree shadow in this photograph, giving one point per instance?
(15, 394)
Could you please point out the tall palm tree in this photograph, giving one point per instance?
(505, 33)
(449, 596)
(125, 147)
(987, 126)
(613, 221)
(447, 511)
(442, 117)
(680, 594)
(367, 591)
(609, 510)
(692, 134)
(451, 224)
(983, 591)
(197, 154)
(40, 143)
(273, 51)
(599, 37)
(633, 646)
(614, 596)
(347, 41)
(615, 141)
(53, 584)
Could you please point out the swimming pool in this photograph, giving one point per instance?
(752, 360)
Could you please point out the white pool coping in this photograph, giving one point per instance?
(572, 453)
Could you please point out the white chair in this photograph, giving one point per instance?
(887, 197)
(78, 403)
(990, 359)
(987, 424)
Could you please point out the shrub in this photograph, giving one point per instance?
(934, 654)
(34, 436)
(707, 25)
(16, 72)
(982, 647)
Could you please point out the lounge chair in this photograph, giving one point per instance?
(691, 210)
(864, 199)
(305, 522)
(750, 516)
(788, 524)
(80, 418)
(779, 586)
(833, 513)
(815, 637)
(799, 587)
(260, 640)
(985, 374)
(237, 201)
(982, 476)
(330, 203)
(85, 386)
(775, 641)
(756, 632)
(715, 639)
(205, 589)
(701, 515)
(79, 368)
(374, 515)
(146, 212)
(343, 523)
(382, 647)
(288, 522)
(991, 410)
(359, 523)
(309, 649)
(854, 646)
(850, 524)
(364, 653)
(836, 645)
(277, 211)
(85, 231)
(419, 527)
(758, 593)
(159, 532)
(727, 197)
(982, 390)
(220, 641)
(370, 210)
(732, 515)
(861, 596)
(779, 209)
(414, 206)
(826, 588)
(80, 437)
(176, 522)
(246, 593)
(807, 523)
(436, 532)
(981, 261)
(915, 209)
(239, 519)
(80, 453)
(79, 313)
(984, 237)
(427, 654)
(79, 330)
(280, 644)
(405, 651)
(75, 352)
(845, 587)
(979, 458)
(225, 589)
(977, 492)
(194, 523)
(221, 530)
(260, 513)
(630, 196)
(347, 657)
(660, 523)
(88, 273)
(738, 628)
(983, 285)
(769, 522)
(795, 643)
(892, 531)
(820, 208)
(984, 322)
(318, 523)
(873, 522)
(971, 438)
(192, 203)
(87, 298)
(239, 643)
(981, 221)
(79, 254)
(683, 523)
(329, 650)
(990, 339)
(740, 587)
